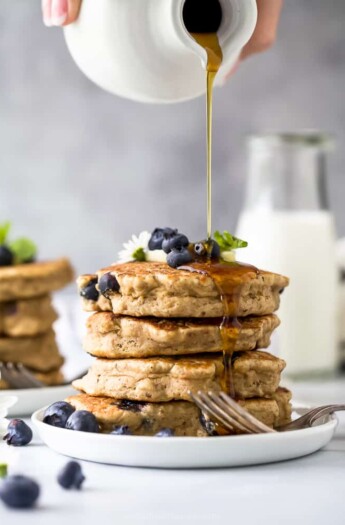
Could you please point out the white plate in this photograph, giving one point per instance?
(28, 399)
(185, 452)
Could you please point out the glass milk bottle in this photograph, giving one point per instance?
(290, 230)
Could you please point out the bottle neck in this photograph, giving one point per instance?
(286, 175)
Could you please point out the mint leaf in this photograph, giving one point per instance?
(4, 229)
(24, 250)
(228, 242)
(139, 254)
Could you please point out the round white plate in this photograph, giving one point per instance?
(28, 399)
(185, 452)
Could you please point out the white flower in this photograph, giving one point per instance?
(136, 248)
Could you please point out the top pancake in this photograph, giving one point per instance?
(156, 289)
(34, 279)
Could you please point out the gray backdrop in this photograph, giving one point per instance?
(81, 170)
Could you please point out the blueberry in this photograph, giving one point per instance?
(18, 433)
(108, 283)
(90, 291)
(6, 256)
(58, 413)
(122, 430)
(215, 252)
(132, 406)
(71, 476)
(178, 241)
(82, 420)
(19, 492)
(199, 249)
(179, 257)
(165, 433)
(157, 237)
(207, 425)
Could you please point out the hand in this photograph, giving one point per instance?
(60, 12)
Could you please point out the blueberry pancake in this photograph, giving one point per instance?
(161, 379)
(155, 289)
(26, 317)
(53, 378)
(35, 279)
(38, 353)
(182, 417)
(113, 336)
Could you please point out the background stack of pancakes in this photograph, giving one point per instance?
(27, 316)
(156, 337)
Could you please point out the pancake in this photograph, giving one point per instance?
(182, 417)
(38, 353)
(156, 289)
(112, 336)
(161, 379)
(34, 279)
(27, 317)
(53, 378)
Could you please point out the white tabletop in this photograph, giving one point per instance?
(308, 490)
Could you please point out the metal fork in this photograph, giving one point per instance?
(18, 376)
(230, 416)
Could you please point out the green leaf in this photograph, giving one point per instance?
(24, 250)
(139, 254)
(228, 242)
(4, 229)
(3, 470)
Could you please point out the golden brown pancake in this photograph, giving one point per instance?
(27, 317)
(182, 417)
(34, 279)
(113, 336)
(161, 379)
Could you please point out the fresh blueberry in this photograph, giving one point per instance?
(199, 249)
(71, 476)
(177, 258)
(90, 291)
(165, 433)
(18, 433)
(177, 241)
(215, 252)
(82, 420)
(19, 492)
(132, 406)
(122, 430)
(58, 413)
(6, 256)
(157, 237)
(108, 283)
(207, 425)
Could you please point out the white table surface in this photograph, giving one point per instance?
(310, 490)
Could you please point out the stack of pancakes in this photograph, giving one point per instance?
(156, 337)
(27, 316)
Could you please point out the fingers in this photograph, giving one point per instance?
(60, 12)
(266, 28)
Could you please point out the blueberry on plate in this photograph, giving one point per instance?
(71, 476)
(90, 291)
(19, 492)
(177, 257)
(177, 241)
(58, 413)
(165, 432)
(108, 283)
(6, 256)
(18, 434)
(121, 430)
(215, 252)
(82, 420)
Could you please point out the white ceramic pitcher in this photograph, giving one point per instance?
(141, 49)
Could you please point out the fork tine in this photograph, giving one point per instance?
(31, 380)
(245, 414)
(16, 375)
(242, 423)
(8, 375)
(210, 413)
(215, 403)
